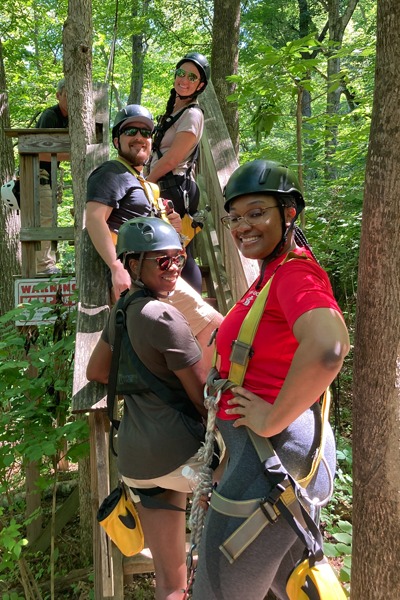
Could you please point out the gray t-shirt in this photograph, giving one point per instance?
(152, 438)
(191, 121)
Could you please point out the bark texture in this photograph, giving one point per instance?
(376, 430)
(77, 42)
(10, 256)
(337, 27)
(139, 49)
(224, 61)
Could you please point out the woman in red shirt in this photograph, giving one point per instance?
(299, 348)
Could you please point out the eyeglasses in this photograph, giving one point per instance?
(132, 131)
(253, 216)
(166, 262)
(191, 76)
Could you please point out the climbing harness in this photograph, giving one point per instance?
(178, 185)
(287, 496)
(129, 375)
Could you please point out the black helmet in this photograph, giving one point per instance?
(146, 234)
(263, 176)
(201, 63)
(130, 113)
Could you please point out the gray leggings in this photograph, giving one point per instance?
(267, 562)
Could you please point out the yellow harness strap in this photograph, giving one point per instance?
(151, 190)
(242, 352)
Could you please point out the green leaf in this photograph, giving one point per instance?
(330, 549)
(345, 575)
(343, 548)
(345, 538)
(345, 526)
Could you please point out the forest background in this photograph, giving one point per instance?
(302, 87)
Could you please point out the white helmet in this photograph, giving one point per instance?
(10, 194)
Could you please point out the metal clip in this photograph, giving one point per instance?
(213, 336)
(186, 201)
(189, 558)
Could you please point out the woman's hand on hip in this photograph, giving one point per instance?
(254, 410)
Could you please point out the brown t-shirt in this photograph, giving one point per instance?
(152, 438)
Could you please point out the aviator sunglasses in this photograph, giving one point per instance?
(166, 262)
(191, 76)
(132, 131)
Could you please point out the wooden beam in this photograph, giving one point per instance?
(28, 256)
(45, 142)
(37, 234)
(63, 515)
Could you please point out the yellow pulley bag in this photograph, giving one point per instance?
(118, 517)
(311, 580)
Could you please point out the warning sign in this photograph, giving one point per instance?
(49, 291)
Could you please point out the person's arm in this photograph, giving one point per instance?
(323, 344)
(99, 364)
(96, 224)
(193, 379)
(180, 149)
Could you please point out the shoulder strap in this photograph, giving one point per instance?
(162, 129)
(151, 190)
(242, 351)
(112, 378)
(176, 399)
(242, 347)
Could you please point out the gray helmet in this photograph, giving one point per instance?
(130, 113)
(201, 63)
(263, 176)
(146, 234)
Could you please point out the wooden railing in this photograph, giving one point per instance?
(231, 272)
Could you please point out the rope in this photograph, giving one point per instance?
(112, 56)
(204, 487)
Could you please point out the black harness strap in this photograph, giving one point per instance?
(176, 399)
(168, 180)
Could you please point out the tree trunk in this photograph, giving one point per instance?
(337, 27)
(224, 61)
(10, 224)
(77, 41)
(376, 430)
(139, 48)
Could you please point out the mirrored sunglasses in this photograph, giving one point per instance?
(191, 76)
(165, 262)
(132, 131)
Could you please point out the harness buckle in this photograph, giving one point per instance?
(213, 336)
(241, 353)
(268, 511)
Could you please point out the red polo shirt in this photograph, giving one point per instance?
(297, 287)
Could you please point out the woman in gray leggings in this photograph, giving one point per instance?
(298, 349)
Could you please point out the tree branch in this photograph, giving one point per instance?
(345, 18)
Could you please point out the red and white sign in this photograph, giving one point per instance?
(28, 290)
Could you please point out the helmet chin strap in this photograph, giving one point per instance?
(275, 253)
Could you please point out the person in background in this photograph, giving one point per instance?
(55, 117)
(175, 148)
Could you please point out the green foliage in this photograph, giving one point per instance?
(35, 419)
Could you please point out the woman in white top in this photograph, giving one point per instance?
(174, 149)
